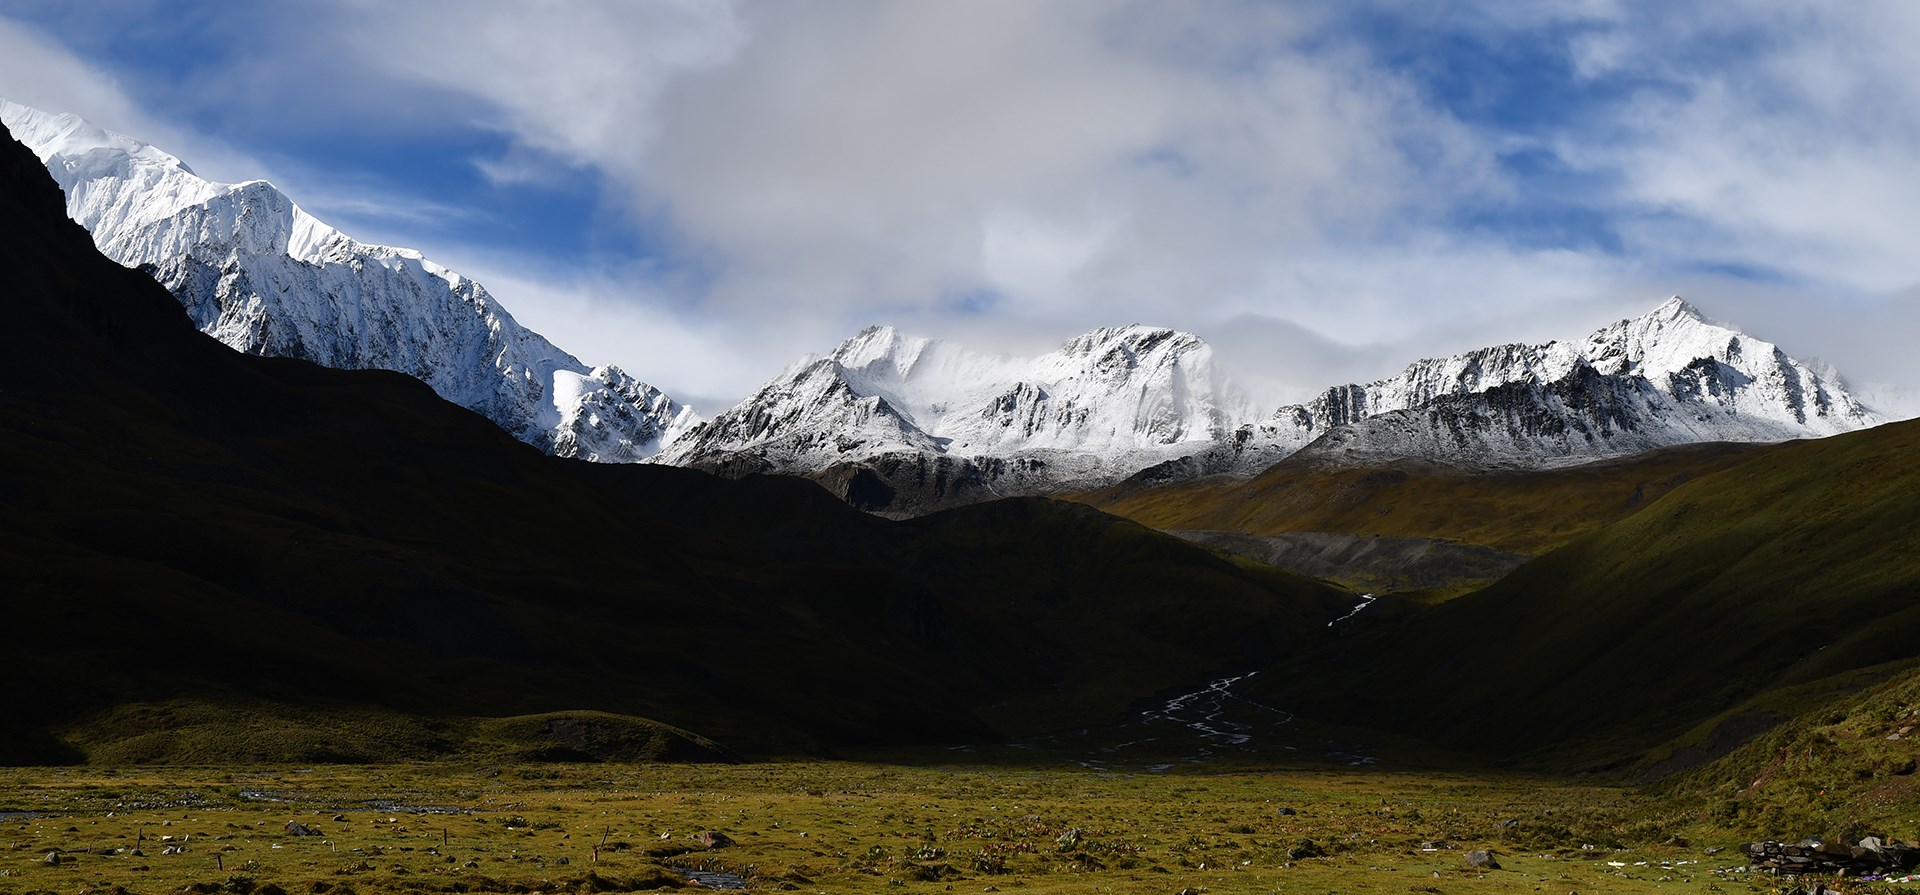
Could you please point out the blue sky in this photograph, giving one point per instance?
(701, 192)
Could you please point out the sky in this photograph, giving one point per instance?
(702, 192)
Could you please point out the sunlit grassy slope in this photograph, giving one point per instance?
(1518, 511)
(1793, 566)
(1847, 769)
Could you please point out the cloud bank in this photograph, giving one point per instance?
(1363, 181)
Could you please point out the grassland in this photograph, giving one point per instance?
(838, 828)
(1521, 511)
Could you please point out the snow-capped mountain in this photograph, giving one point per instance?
(886, 413)
(1104, 405)
(263, 276)
(1668, 377)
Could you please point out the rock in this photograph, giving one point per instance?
(53, 857)
(1070, 838)
(1907, 767)
(1714, 850)
(1483, 859)
(1286, 812)
(295, 828)
(1436, 845)
(713, 839)
(562, 861)
(1509, 823)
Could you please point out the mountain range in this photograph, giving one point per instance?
(899, 423)
(263, 276)
(194, 532)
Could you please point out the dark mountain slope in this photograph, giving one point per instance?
(187, 523)
(1795, 566)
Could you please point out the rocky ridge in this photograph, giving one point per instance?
(900, 423)
(1668, 377)
(1102, 406)
(263, 276)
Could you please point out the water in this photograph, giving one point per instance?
(1206, 711)
(712, 879)
(1365, 601)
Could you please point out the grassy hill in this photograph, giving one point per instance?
(1521, 511)
(233, 542)
(1794, 570)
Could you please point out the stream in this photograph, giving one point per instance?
(1365, 601)
(1206, 711)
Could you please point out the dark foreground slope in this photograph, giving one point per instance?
(193, 533)
(1743, 597)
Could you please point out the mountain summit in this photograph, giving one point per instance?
(1102, 406)
(263, 276)
(903, 413)
(1667, 377)
(903, 422)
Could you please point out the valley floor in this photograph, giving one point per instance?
(843, 828)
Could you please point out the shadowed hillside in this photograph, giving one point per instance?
(190, 527)
(1796, 569)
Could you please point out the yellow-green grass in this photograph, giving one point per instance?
(1841, 771)
(1799, 565)
(1519, 511)
(838, 828)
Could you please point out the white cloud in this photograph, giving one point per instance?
(1014, 172)
(37, 71)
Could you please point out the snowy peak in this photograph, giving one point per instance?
(1667, 377)
(1679, 350)
(260, 274)
(1105, 404)
(1663, 341)
(881, 351)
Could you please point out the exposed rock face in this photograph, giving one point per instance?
(261, 275)
(932, 424)
(1103, 406)
(1669, 377)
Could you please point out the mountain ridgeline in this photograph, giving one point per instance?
(243, 540)
(263, 276)
(901, 424)
(193, 532)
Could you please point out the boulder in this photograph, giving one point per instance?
(1483, 859)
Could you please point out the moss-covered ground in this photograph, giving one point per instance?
(843, 828)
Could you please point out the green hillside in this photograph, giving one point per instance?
(1795, 566)
(1522, 511)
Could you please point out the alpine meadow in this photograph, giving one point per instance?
(1052, 447)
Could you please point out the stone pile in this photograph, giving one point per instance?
(1872, 855)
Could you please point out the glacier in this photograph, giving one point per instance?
(263, 276)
